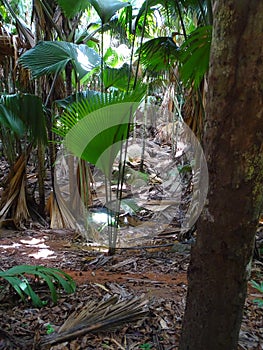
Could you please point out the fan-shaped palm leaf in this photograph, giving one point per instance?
(88, 94)
(93, 129)
(117, 77)
(52, 57)
(90, 101)
(107, 8)
(97, 137)
(151, 3)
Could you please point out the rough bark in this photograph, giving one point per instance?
(233, 144)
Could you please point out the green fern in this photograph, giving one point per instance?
(17, 277)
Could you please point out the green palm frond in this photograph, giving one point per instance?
(117, 77)
(9, 120)
(111, 57)
(94, 128)
(77, 97)
(194, 56)
(148, 4)
(98, 137)
(159, 54)
(125, 19)
(17, 276)
(24, 112)
(52, 57)
(107, 8)
(91, 101)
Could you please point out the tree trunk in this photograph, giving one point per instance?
(233, 144)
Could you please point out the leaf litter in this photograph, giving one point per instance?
(132, 300)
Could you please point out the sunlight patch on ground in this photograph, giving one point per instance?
(43, 254)
(42, 250)
(14, 245)
(32, 241)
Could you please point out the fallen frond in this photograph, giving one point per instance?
(94, 317)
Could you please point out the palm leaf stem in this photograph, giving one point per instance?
(51, 88)
(131, 60)
(181, 19)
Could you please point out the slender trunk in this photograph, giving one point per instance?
(233, 144)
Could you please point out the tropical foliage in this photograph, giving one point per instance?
(18, 277)
(69, 66)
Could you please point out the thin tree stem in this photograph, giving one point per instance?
(181, 19)
(142, 37)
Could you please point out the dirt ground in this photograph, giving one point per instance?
(156, 275)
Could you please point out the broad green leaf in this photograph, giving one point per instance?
(15, 283)
(111, 57)
(23, 288)
(11, 121)
(93, 128)
(96, 138)
(48, 280)
(117, 77)
(107, 8)
(27, 289)
(25, 112)
(52, 57)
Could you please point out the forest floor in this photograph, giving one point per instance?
(156, 275)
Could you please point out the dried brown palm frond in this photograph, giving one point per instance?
(85, 182)
(60, 215)
(194, 109)
(93, 317)
(13, 203)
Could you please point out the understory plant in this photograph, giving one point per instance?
(18, 277)
(259, 287)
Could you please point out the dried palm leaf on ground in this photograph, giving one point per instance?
(98, 317)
